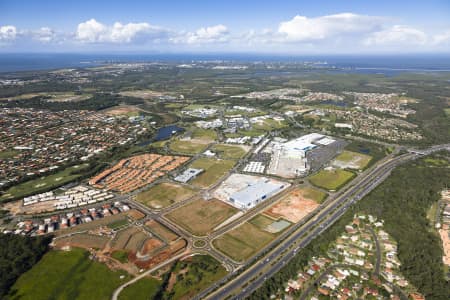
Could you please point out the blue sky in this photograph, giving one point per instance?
(303, 27)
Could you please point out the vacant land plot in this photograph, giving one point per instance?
(136, 241)
(131, 238)
(261, 221)
(187, 147)
(268, 224)
(269, 124)
(331, 179)
(135, 214)
(68, 275)
(161, 231)
(120, 255)
(151, 246)
(192, 275)
(117, 224)
(204, 134)
(52, 97)
(92, 225)
(351, 160)
(44, 183)
(297, 204)
(143, 289)
(83, 240)
(214, 169)
(313, 194)
(144, 94)
(127, 110)
(229, 151)
(164, 194)
(243, 242)
(201, 217)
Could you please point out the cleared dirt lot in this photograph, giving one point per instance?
(131, 238)
(144, 94)
(164, 194)
(83, 240)
(121, 110)
(150, 246)
(295, 205)
(201, 216)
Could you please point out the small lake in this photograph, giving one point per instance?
(163, 133)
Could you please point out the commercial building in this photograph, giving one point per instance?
(188, 174)
(255, 193)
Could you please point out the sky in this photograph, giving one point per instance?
(198, 26)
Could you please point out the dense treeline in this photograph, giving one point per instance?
(402, 201)
(96, 102)
(17, 255)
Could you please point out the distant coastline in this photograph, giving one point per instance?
(16, 62)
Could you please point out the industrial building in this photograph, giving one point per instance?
(256, 193)
(188, 174)
(288, 159)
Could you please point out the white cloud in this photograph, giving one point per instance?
(7, 33)
(212, 34)
(304, 29)
(44, 34)
(442, 38)
(397, 35)
(93, 31)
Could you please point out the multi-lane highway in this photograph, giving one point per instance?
(245, 283)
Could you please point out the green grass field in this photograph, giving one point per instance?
(159, 144)
(204, 134)
(8, 154)
(68, 275)
(187, 147)
(117, 224)
(447, 112)
(331, 179)
(120, 255)
(228, 151)
(244, 241)
(314, 194)
(376, 151)
(352, 160)
(164, 194)
(143, 289)
(43, 183)
(202, 216)
(270, 124)
(193, 275)
(214, 169)
(251, 132)
(261, 221)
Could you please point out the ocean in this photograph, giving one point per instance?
(370, 64)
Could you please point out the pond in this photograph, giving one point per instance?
(163, 133)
